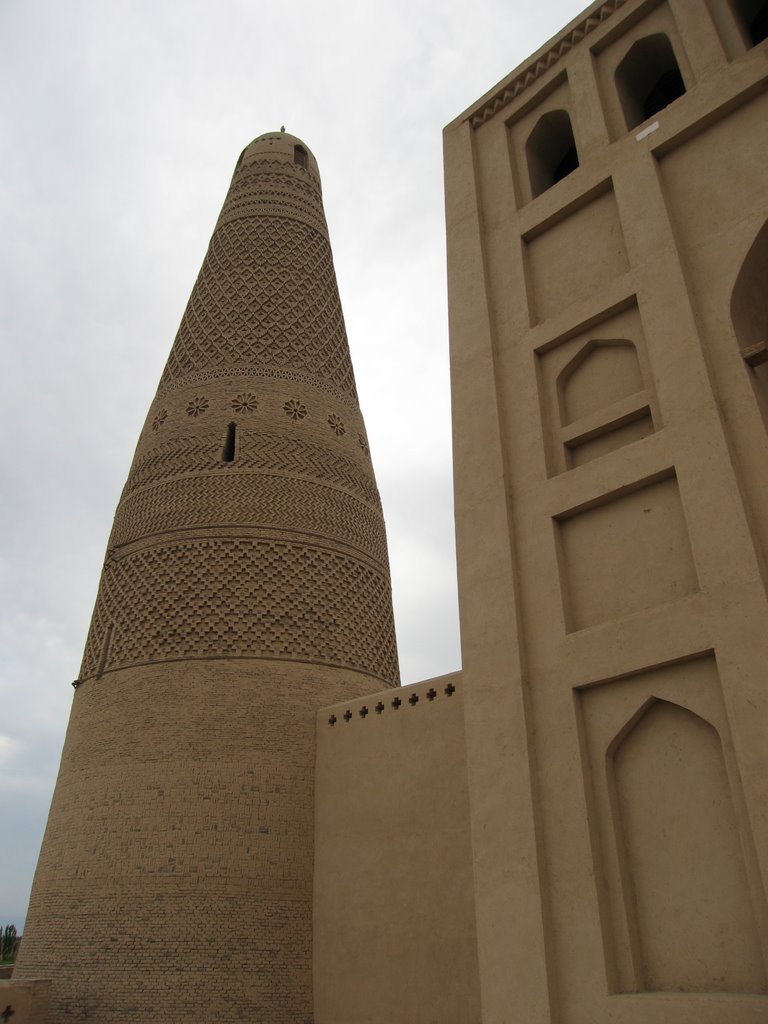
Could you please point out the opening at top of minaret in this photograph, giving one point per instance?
(280, 146)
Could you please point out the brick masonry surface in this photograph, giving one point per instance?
(245, 585)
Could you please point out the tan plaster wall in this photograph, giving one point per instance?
(610, 479)
(394, 936)
(28, 1001)
(713, 249)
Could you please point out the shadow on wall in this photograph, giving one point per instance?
(749, 315)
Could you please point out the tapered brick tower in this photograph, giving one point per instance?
(245, 586)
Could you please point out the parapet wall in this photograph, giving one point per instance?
(394, 931)
(24, 1002)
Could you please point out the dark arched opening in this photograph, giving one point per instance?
(551, 151)
(753, 17)
(749, 302)
(749, 315)
(300, 156)
(648, 79)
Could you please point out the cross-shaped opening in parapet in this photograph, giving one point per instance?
(7, 1013)
(379, 708)
(332, 720)
(363, 711)
(347, 715)
(413, 700)
(450, 690)
(431, 694)
(396, 703)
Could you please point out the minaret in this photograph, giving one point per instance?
(245, 585)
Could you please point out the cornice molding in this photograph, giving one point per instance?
(530, 72)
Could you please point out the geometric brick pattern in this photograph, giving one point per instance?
(276, 189)
(243, 597)
(261, 372)
(265, 452)
(227, 498)
(266, 294)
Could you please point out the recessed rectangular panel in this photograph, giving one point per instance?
(576, 256)
(628, 553)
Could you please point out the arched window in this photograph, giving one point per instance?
(300, 156)
(551, 151)
(749, 315)
(648, 79)
(749, 302)
(753, 16)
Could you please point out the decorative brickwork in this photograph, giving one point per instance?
(228, 598)
(251, 499)
(362, 712)
(244, 402)
(269, 453)
(295, 409)
(337, 425)
(263, 372)
(159, 418)
(276, 189)
(266, 294)
(179, 846)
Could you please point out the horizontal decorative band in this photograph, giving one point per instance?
(238, 597)
(533, 70)
(250, 499)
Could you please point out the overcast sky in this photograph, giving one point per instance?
(122, 121)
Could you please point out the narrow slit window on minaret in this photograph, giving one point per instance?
(229, 444)
(300, 156)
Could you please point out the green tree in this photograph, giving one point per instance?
(8, 943)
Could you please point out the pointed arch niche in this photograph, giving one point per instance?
(749, 316)
(595, 391)
(682, 863)
(679, 913)
(603, 401)
(542, 137)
